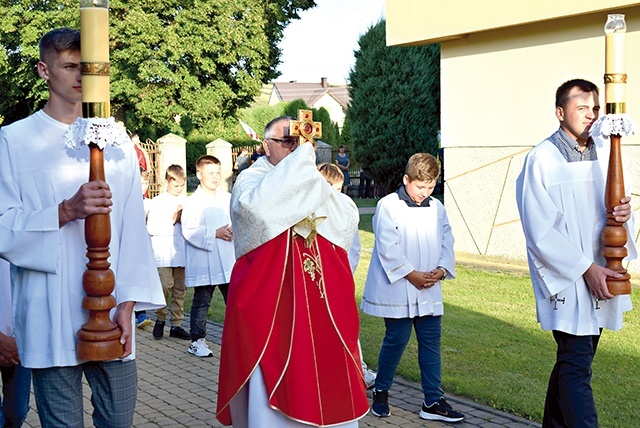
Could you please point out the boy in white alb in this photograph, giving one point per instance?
(206, 226)
(163, 224)
(412, 254)
(335, 177)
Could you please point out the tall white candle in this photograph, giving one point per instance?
(615, 68)
(94, 45)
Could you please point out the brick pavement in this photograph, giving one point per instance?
(177, 389)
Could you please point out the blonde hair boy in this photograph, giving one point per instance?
(332, 174)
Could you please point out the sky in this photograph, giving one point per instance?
(330, 31)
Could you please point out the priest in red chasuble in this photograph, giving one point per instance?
(290, 340)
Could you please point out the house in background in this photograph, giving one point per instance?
(333, 98)
(501, 63)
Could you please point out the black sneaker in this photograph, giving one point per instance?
(180, 333)
(440, 411)
(380, 405)
(158, 329)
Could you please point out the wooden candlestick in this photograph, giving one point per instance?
(614, 234)
(99, 338)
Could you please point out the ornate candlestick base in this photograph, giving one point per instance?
(99, 338)
(614, 237)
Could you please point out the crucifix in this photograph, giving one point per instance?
(305, 128)
(554, 299)
(598, 303)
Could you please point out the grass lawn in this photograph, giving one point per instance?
(493, 350)
(365, 202)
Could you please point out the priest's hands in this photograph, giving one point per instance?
(93, 197)
(596, 279)
(622, 212)
(422, 280)
(225, 233)
(8, 351)
(122, 317)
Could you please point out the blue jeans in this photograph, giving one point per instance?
(114, 389)
(200, 308)
(428, 332)
(16, 387)
(569, 401)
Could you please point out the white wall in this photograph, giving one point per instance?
(498, 94)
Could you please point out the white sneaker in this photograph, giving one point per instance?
(200, 348)
(370, 378)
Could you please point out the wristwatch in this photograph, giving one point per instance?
(444, 272)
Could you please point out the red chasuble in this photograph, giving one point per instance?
(291, 312)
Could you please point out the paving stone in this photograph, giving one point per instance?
(177, 389)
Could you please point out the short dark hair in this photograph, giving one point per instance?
(562, 93)
(59, 40)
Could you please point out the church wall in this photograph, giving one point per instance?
(498, 94)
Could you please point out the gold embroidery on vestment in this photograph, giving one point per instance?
(310, 268)
(311, 265)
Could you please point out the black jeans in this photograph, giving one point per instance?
(569, 400)
(200, 308)
(363, 187)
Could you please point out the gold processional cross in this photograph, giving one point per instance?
(305, 128)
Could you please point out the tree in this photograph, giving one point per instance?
(176, 65)
(330, 133)
(394, 110)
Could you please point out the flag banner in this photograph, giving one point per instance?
(249, 130)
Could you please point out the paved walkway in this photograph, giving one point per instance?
(177, 389)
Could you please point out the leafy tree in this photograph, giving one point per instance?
(394, 110)
(330, 132)
(176, 65)
(345, 136)
(292, 107)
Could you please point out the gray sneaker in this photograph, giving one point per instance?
(199, 348)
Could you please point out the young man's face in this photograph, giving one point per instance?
(62, 73)
(418, 190)
(579, 113)
(175, 187)
(209, 176)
